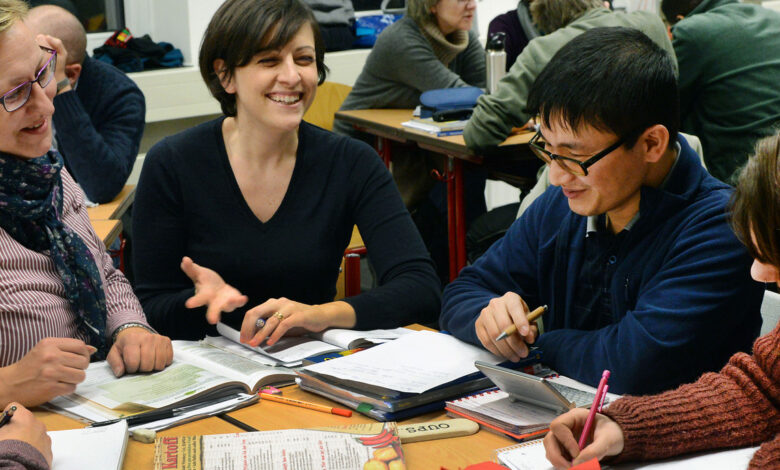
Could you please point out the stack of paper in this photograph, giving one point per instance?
(419, 369)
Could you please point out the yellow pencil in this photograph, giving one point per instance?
(512, 329)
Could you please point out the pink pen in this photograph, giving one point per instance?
(603, 398)
(593, 409)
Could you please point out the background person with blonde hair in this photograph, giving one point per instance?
(736, 407)
(431, 47)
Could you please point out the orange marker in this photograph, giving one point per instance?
(304, 404)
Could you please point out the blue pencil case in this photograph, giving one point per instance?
(446, 99)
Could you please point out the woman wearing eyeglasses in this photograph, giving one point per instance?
(431, 47)
(61, 301)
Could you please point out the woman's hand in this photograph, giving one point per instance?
(24, 427)
(562, 448)
(212, 291)
(284, 315)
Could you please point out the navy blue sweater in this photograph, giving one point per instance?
(682, 298)
(99, 128)
(189, 203)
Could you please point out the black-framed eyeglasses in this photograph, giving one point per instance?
(569, 164)
(17, 97)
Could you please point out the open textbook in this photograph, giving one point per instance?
(357, 446)
(290, 351)
(531, 456)
(201, 374)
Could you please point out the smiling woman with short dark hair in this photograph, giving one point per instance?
(256, 207)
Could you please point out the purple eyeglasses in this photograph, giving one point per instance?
(17, 97)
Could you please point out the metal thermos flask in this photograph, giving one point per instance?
(496, 60)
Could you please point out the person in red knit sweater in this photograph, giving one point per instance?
(736, 407)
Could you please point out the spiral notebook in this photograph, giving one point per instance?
(495, 410)
(530, 455)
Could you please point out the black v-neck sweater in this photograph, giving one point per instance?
(188, 203)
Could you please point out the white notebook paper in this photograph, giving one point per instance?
(531, 456)
(80, 449)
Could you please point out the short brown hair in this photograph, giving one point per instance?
(551, 15)
(11, 11)
(755, 205)
(240, 29)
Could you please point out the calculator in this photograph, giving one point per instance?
(536, 390)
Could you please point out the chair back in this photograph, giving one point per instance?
(327, 101)
(770, 311)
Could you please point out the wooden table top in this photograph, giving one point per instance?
(387, 123)
(107, 230)
(451, 454)
(140, 456)
(116, 208)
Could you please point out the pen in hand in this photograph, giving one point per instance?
(598, 403)
(6, 418)
(512, 329)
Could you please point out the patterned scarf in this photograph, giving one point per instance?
(31, 212)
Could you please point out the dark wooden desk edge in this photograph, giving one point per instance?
(126, 202)
(376, 128)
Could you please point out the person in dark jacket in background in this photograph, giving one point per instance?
(100, 111)
(729, 58)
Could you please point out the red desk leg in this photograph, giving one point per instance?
(456, 216)
(460, 216)
(452, 217)
(384, 149)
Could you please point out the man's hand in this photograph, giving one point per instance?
(24, 427)
(51, 368)
(212, 291)
(562, 448)
(138, 350)
(496, 317)
(62, 58)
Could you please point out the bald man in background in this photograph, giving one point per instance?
(99, 112)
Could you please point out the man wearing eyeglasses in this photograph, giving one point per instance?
(100, 111)
(630, 248)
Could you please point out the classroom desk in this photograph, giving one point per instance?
(451, 454)
(107, 230)
(116, 208)
(385, 124)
